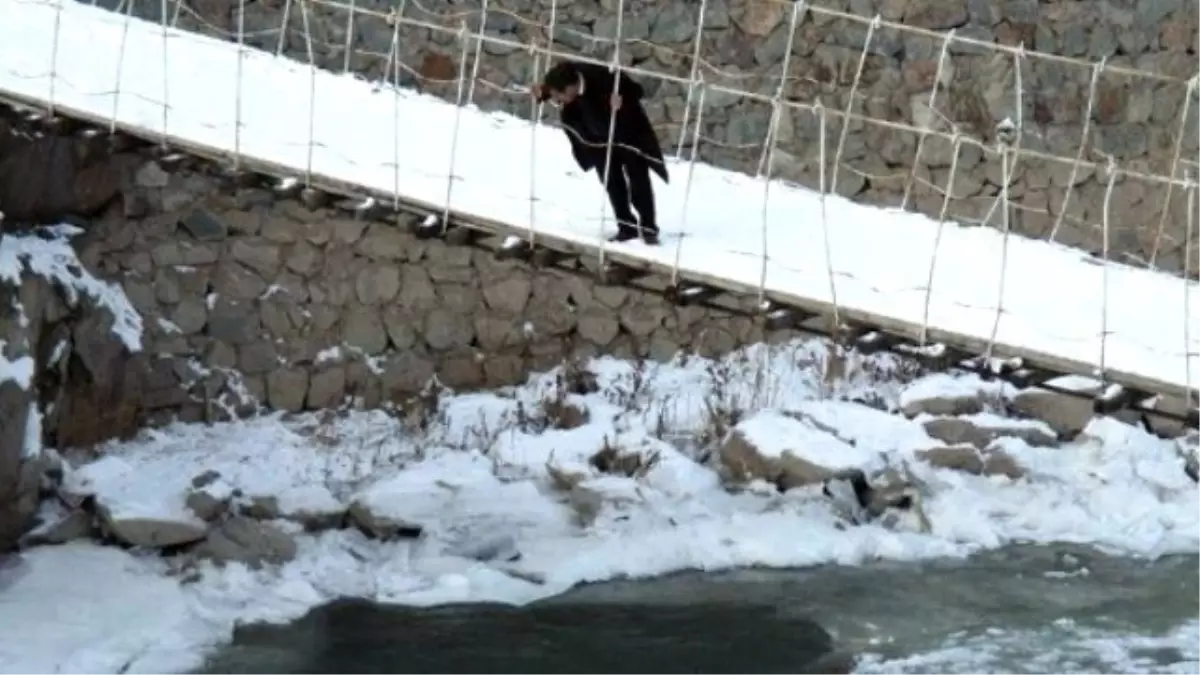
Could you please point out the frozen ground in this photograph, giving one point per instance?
(482, 474)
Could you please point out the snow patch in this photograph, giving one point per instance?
(54, 259)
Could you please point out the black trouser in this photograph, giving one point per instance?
(629, 185)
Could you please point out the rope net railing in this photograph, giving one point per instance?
(983, 144)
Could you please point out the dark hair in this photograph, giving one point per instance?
(562, 75)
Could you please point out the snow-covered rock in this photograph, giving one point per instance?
(972, 460)
(948, 394)
(247, 541)
(57, 319)
(982, 428)
(153, 532)
(786, 451)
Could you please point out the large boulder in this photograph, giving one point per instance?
(981, 429)
(786, 451)
(68, 368)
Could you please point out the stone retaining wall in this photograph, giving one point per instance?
(1135, 119)
(247, 299)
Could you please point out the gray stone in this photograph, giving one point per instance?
(248, 541)
(444, 329)
(406, 373)
(234, 322)
(190, 316)
(675, 24)
(287, 389)
(206, 507)
(77, 524)
(304, 259)
(152, 532)
(401, 328)
(262, 507)
(363, 329)
(417, 292)
(327, 388)
(151, 175)
(204, 225)
(257, 358)
(260, 255)
(383, 242)
(508, 296)
(281, 230)
(381, 526)
(598, 328)
(377, 284)
(1067, 415)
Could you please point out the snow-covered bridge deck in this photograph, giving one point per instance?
(1053, 307)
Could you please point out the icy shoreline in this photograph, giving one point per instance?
(480, 476)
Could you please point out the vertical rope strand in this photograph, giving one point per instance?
(479, 38)
(773, 126)
(1004, 220)
(166, 75)
(537, 74)
(692, 77)
(1176, 156)
(348, 46)
(312, 93)
(927, 127)
(112, 126)
(58, 8)
(396, 101)
(764, 236)
(862, 61)
(533, 134)
(937, 237)
(687, 187)
(1193, 203)
(464, 39)
(239, 76)
(283, 27)
(1083, 141)
(822, 131)
(1104, 240)
(612, 124)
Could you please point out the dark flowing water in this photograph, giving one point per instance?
(769, 621)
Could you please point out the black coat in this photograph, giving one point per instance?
(586, 121)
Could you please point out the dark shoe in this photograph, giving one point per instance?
(623, 235)
(651, 238)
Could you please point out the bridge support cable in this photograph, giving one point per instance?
(464, 43)
(847, 115)
(693, 78)
(930, 114)
(947, 195)
(823, 192)
(394, 66)
(615, 68)
(1009, 135)
(766, 161)
(483, 17)
(1084, 136)
(687, 187)
(1190, 239)
(1176, 158)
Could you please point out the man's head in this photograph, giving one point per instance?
(561, 83)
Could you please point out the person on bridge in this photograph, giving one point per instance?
(587, 103)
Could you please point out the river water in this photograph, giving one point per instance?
(1019, 609)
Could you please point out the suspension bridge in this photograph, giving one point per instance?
(1015, 306)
